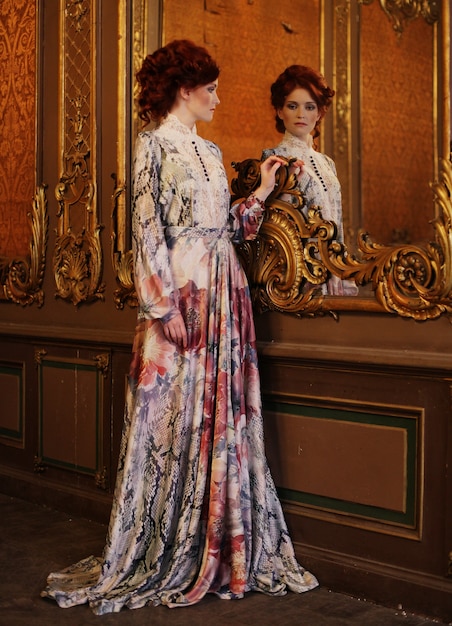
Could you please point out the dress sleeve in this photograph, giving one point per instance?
(152, 273)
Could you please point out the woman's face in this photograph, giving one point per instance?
(299, 113)
(202, 101)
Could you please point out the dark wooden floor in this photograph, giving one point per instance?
(35, 540)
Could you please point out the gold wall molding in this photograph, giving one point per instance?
(145, 18)
(296, 251)
(122, 258)
(400, 12)
(77, 261)
(23, 278)
(343, 128)
(121, 254)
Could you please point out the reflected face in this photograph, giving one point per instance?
(299, 113)
(202, 102)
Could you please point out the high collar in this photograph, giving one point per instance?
(296, 143)
(173, 122)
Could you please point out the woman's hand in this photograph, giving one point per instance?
(269, 167)
(296, 167)
(175, 331)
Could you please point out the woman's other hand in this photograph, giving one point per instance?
(175, 331)
(296, 167)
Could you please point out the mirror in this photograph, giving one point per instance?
(388, 132)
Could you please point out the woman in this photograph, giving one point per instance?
(195, 508)
(301, 98)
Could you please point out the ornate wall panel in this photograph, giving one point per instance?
(359, 454)
(17, 123)
(78, 255)
(23, 209)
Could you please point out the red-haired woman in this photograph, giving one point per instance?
(301, 98)
(195, 508)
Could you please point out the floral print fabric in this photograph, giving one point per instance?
(195, 508)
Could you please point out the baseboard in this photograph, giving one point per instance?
(395, 587)
(33, 488)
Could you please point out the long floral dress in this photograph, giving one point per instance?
(195, 508)
(320, 187)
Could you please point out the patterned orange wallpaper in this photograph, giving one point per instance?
(17, 123)
(252, 42)
(397, 131)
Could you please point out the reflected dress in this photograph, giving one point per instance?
(195, 509)
(320, 187)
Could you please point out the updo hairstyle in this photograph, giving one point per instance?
(180, 63)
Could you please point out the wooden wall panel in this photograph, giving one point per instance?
(365, 509)
(12, 418)
(70, 414)
(361, 465)
(73, 412)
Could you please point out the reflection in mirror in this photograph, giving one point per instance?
(301, 97)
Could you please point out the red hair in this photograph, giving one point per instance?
(180, 63)
(296, 76)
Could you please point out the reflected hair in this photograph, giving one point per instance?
(296, 76)
(181, 63)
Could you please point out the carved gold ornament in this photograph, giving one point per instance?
(280, 263)
(296, 250)
(77, 261)
(400, 12)
(140, 42)
(121, 254)
(21, 279)
(122, 259)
